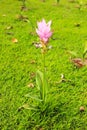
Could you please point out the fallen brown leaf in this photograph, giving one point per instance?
(31, 85)
(24, 8)
(14, 40)
(82, 108)
(22, 18)
(41, 129)
(78, 62)
(32, 75)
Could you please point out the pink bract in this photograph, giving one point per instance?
(44, 30)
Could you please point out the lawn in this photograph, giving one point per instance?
(66, 105)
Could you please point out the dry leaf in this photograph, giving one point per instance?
(32, 75)
(32, 61)
(14, 40)
(22, 18)
(24, 8)
(9, 27)
(78, 62)
(62, 76)
(82, 108)
(37, 44)
(41, 129)
(62, 79)
(31, 85)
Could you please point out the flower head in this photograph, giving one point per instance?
(44, 31)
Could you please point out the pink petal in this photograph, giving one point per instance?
(49, 23)
(49, 34)
(41, 24)
(44, 30)
(45, 39)
(44, 22)
(40, 34)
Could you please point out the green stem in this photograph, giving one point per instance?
(43, 96)
(44, 62)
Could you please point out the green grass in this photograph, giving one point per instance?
(61, 111)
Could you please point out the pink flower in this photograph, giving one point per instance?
(44, 30)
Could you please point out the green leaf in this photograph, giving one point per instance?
(26, 106)
(33, 97)
(42, 84)
(39, 79)
(85, 50)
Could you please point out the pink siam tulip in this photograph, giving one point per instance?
(44, 31)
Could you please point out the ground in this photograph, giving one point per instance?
(66, 106)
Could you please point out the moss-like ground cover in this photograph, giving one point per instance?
(20, 59)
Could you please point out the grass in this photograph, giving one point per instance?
(19, 62)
